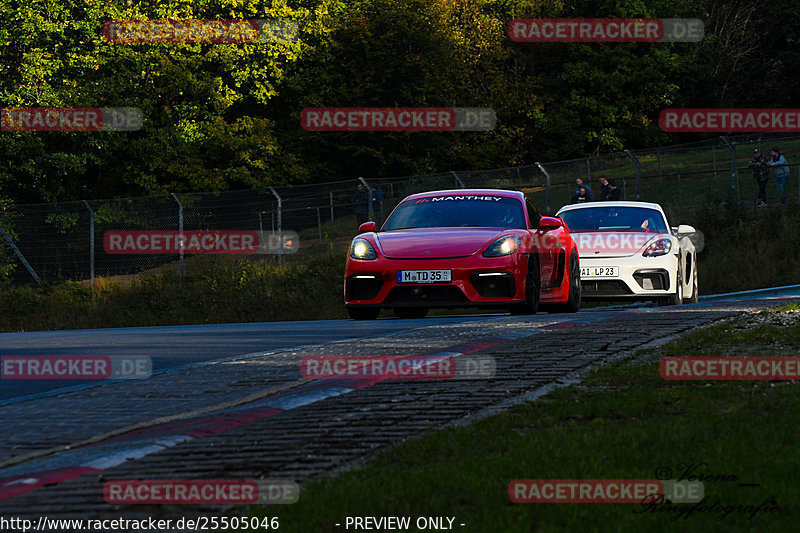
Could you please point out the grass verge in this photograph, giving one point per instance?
(213, 290)
(622, 422)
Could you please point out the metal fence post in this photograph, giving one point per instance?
(91, 242)
(280, 231)
(319, 224)
(638, 167)
(546, 187)
(658, 154)
(180, 226)
(21, 257)
(458, 180)
(588, 170)
(331, 196)
(734, 171)
(369, 192)
(714, 156)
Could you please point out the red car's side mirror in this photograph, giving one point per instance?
(550, 223)
(366, 227)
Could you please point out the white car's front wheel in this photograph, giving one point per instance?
(677, 297)
(694, 297)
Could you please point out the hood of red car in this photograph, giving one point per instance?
(435, 243)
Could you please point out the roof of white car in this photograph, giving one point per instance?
(610, 204)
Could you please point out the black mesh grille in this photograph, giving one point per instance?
(612, 287)
(494, 286)
(362, 288)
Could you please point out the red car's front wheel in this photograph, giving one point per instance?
(573, 303)
(531, 305)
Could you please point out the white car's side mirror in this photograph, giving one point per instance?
(685, 230)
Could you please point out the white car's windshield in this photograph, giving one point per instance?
(603, 218)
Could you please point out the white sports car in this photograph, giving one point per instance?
(628, 251)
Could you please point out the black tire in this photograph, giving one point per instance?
(676, 298)
(531, 305)
(573, 303)
(694, 298)
(363, 313)
(411, 312)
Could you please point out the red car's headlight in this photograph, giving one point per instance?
(503, 246)
(362, 249)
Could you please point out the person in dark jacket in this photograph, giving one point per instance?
(361, 201)
(578, 184)
(613, 192)
(580, 196)
(604, 190)
(760, 167)
(377, 200)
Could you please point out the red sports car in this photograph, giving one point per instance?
(462, 248)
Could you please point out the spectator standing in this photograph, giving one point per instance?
(579, 183)
(580, 196)
(361, 204)
(781, 172)
(377, 200)
(760, 167)
(613, 192)
(604, 189)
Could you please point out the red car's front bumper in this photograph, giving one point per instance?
(476, 282)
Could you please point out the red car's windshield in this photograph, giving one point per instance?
(457, 211)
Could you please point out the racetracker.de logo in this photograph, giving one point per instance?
(730, 368)
(397, 367)
(200, 242)
(604, 491)
(71, 119)
(199, 31)
(201, 492)
(722, 120)
(397, 119)
(75, 367)
(175, 242)
(588, 30)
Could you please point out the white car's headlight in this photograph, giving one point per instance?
(362, 249)
(659, 247)
(503, 246)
